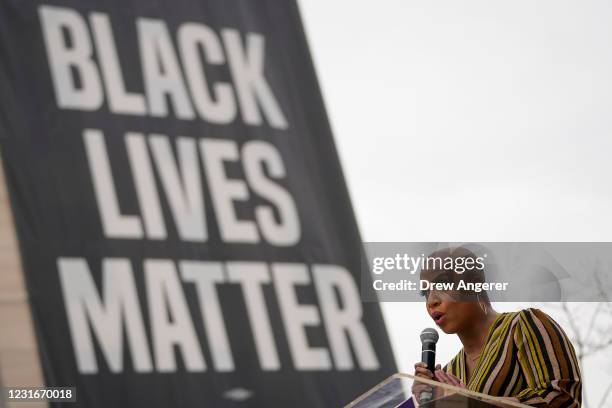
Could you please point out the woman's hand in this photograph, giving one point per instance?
(420, 370)
(447, 378)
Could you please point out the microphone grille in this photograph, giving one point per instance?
(429, 335)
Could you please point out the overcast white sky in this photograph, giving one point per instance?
(470, 121)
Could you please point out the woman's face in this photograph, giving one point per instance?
(450, 315)
(450, 310)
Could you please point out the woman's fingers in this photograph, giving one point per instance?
(457, 381)
(421, 370)
(442, 377)
(454, 380)
(448, 378)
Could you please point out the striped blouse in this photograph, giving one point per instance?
(528, 356)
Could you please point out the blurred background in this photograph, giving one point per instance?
(474, 121)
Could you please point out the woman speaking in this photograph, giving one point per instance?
(524, 356)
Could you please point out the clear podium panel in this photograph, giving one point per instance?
(407, 391)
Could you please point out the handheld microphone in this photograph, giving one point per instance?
(429, 338)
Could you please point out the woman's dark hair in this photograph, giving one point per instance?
(460, 266)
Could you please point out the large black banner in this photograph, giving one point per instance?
(185, 228)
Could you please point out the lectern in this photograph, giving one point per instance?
(397, 392)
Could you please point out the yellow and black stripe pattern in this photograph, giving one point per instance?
(528, 356)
